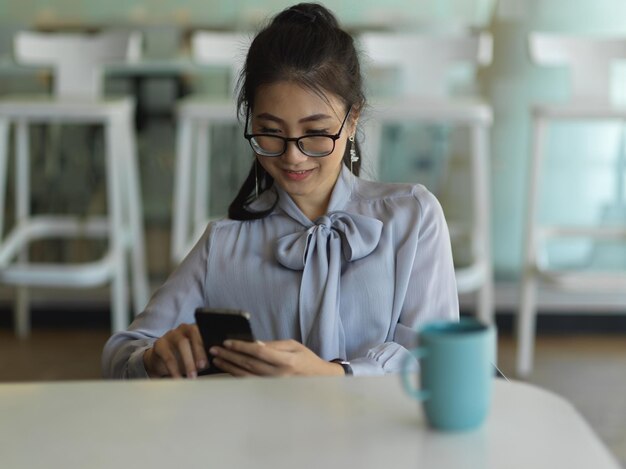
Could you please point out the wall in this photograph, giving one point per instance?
(581, 184)
(582, 177)
(220, 12)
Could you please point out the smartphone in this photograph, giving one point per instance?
(217, 325)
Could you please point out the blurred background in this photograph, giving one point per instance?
(581, 345)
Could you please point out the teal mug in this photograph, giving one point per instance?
(457, 363)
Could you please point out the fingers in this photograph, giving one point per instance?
(186, 355)
(230, 368)
(179, 352)
(241, 346)
(258, 350)
(289, 345)
(164, 353)
(197, 346)
(241, 363)
(261, 349)
(271, 359)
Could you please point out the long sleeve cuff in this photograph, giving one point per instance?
(389, 357)
(135, 367)
(366, 367)
(126, 360)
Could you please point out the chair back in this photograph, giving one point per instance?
(221, 49)
(588, 58)
(76, 59)
(424, 61)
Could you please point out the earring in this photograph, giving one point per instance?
(353, 156)
(256, 179)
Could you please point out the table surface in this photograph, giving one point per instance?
(280, 423)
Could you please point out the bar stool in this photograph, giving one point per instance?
(76, 61)
(196, 116)
(589, 60)
(424, 62)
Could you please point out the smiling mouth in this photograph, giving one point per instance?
(303, 171)
(297, 176)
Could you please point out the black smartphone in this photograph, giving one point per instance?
(217, 325)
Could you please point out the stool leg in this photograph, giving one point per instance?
(4, 151)
(482, 218)
(22, 212)
(526, 324)
(115, 157)
(21, 312)
(526, 320)
(119, 295)
(203, 179)
(141, 290)
(182, 188)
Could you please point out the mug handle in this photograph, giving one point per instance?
(415, 393)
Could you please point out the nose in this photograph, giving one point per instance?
(293, 154)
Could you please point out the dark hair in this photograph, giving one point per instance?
(304, 44)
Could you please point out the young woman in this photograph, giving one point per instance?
(332, 268)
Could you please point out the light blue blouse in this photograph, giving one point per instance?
(354, 284)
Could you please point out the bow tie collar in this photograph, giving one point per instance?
(319, 251)
(357, 236)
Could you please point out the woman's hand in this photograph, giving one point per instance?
(180, 352)
(277, 358)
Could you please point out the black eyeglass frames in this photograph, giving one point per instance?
(315, 146)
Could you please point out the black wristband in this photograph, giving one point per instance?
(347, 369)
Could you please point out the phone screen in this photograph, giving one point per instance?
(218, 325)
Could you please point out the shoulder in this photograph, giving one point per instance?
(220, 229)
(223, 224)
(225, 227)
(406, 209)
(415, 195)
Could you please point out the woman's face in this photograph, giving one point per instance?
(290, 110)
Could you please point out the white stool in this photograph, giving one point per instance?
(196, 116)
(76, 61)
(424, 62)
(589, 60)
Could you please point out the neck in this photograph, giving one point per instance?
(316, 204)
(312, 209)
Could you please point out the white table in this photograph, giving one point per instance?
(280, 423)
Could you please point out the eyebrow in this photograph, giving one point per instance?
(311, 118)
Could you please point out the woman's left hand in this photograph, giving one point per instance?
(277, 358)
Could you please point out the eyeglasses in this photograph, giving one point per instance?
(271, 145)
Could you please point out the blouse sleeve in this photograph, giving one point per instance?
(172, 304)
(426, 283)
